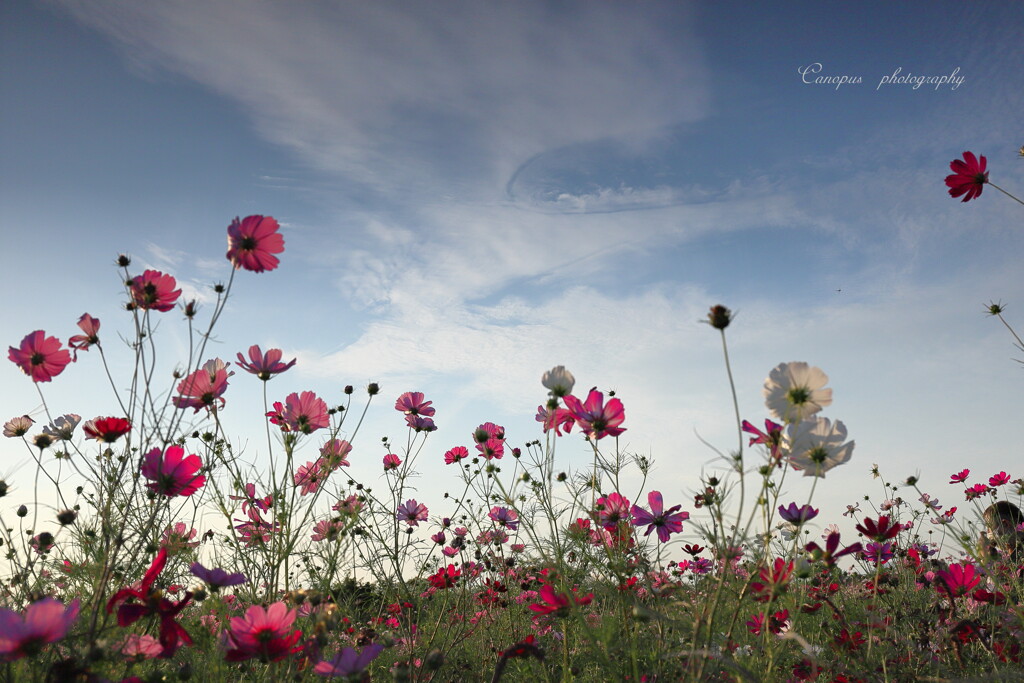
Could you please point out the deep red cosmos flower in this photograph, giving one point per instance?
(141, 600)
(446, 577)
(39, 356)
(252, 243)
(968, 178)
(172, 473)
(106, 429)
(881, 531)
(154, 290)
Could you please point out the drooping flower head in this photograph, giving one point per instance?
(818, 446)
(172, 473)
(264, 365)
(90, 327)
(304, 413)
(45, 621)
(205, 387)
(968, 178)
(154, 290)
(262, 633)
(665, 522)
(773, 437)
(252, 243)
(794, 391)
(596, 418)
(40, 357)
(106, 429)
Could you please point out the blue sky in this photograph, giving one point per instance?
(474, 192)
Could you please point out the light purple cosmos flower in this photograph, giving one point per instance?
(667, 522)
(216, 578)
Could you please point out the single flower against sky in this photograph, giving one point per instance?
(968, 178)
(18, 426)
(819, 445)
(596, 418)
(558, 381)
(264, 365)
(665, 522)
(252, 243)
(106, 429)
(303, 412)
(412, 403)
(794, 391)
(205, 387)
(154, 290)
(90, 327)
(40, 357)
(412, 513)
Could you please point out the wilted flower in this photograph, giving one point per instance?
(63, 427)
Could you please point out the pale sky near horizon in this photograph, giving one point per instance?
(474, 192)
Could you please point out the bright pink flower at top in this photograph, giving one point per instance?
(262, 633)
(204, 387)
(264, 365)
(959, 477)
(40, 357)
(666, 522)
(968, 178)
(172, 473)
(412, 403)
(611, 510)
(555, 419)
(106, 429)
(142, 600)
(412, 513)
(596, 418)
(999, 479)
(556, 604)
(90, 327)
(456, 454)
(957, 580)
(333, 454)
(348, 663)
(252, 243)
(881, 531)
(154, 290)
(44, 622)
(304, 413)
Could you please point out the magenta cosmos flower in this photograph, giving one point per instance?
(106, 429)
(797, 515)
(456, 454)
(141, 600)
(596, 418)
(505, 517)
(556, 604)
(957, 580)
(90, 327)
(252, 243)
(44, 622)
(216, 578)
(412, 513)
(39, 356)
(300, 413)
(264, 365)
(412, 403)
(171, 473)
(262, 633)
(205, 387)
(968, 178)
(666, 522)
(154, 290)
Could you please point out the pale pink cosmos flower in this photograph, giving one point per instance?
(327, 529)
(205, 387)
(819, 445)
(43, 623)
(252, 243)
(136, 648)
(596, 418)
(303, 412)
(264, 365)
(172, 473)
(555, 418)
(154, 290)
(412, 403)
(309, 477)
(348, 506)
(40, 357)
(178, 537)
(333, 454)
(262, 633)
(18, 426)
(558, 381)
(795, 391)
(412, 513)
(90, 327)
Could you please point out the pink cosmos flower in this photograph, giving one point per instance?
(45, 621)
(90, 327)
(505, 517)
(968, 178)
(264, 365)
(250, 499)
(252, 243)
(333, 454)
(611, 510)
(958, 580)
(492, 449)
(419, 423)
(556, 604)
(154, 290)
(771, 437)
(327, 529)
(178, 537)
(488, 431)
(391, 462)
(456, 454)
(348, 663)
(959, 477)
(40, 357)
(773, 580)
(412, 403)
(172, 473)
(555, 418)
(262, 633)
(204, 387)
(106, 429)
(881, 531)
(666, 522)
(304, 413)
(138, 648)
(596, 418)
(255, 531)
(350, 506)
(999, 479)
(412, 513)
(309, 477)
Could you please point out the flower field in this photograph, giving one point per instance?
(339, 568)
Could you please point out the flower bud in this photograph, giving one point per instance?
(22, 511)
(66, 517)
(373, 389)
(719, 317)
(123, 260)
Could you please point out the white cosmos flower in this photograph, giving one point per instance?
(818, 446)
(794, 391)
(558, 381)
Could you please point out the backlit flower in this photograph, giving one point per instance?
(819, 445)
(505, 517)
(794, 391)
(556, 604)
(666, 522)
(172, 473)
(216, 578)
(797, 515)
(303, 412)
(205, 387)
(262, 633)
(40, 357)
(455, 454)
(252, 243)
(596, 418)
(959, 477)
(106, 429)
(882, 530)
(558, 381)
(45, 621)
(142, 599)
(264, 365)
(154, 290)
(348, 663)
(412, 403)
(391, 462)
(968, 178)
(309, 477)
(958, 579)
(63, 427)
(90, 327)
(333, 454)
(994, 480)
(412, 513)
(178, 537)
(555, 418)
(18, 426)
(772, 437)
(611, 510)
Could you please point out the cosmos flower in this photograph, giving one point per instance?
(216, 578)
(154, 290)
(252, 243)
(44, 622)
(794, 391)
(264, 365)
(556, 604)
(505, 517)
(818, 446)
(205, 387)
(968, 178)
(262, 633)
(304, 413)
(558, 381)
(40, 357)
(957, 580)
(172, 473)
(106, 429)
(90, 327)
(18, 426)
(455, 454)
(555, 418)
(797, 515)
(412, 403)
(333, 454)
(666, 522)
(62, 428)
(348, 663)
(412, 513)
(596, 418)
(611, 510)
(141, 600)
